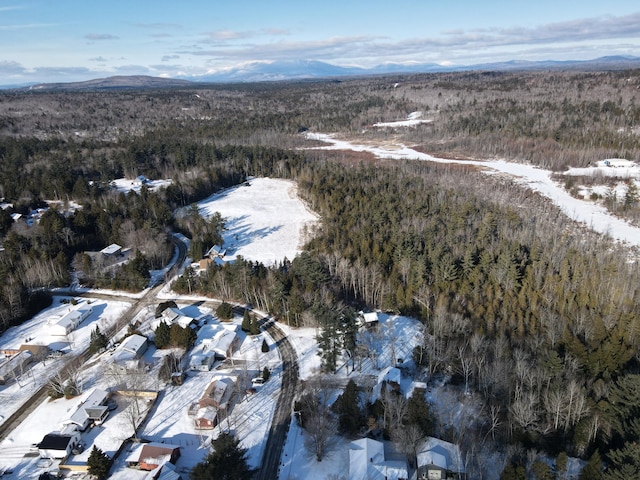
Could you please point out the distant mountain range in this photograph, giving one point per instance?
(309, 69)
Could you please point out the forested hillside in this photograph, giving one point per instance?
(535, 314)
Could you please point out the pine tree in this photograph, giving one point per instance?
(255, 327)
(246, 321)
(99, 463)
(224, 311)
(265, 346)
(98, 340)
(593, 469)
(347, 407)
(162, 335)
(228, 461)
(266, 373)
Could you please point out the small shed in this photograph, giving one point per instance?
(135, 344)
(206, 418)
(368, 318)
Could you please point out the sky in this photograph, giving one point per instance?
(72, 40)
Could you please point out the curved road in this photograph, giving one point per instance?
(282, 415)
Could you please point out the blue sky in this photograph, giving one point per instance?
(69, 40)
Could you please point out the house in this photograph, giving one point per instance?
(173, 315)
(92, 409)
(206, 418)
(367, 461)
(112, 250)
(69, 322)
(128, 354)
(152, 455)
(438, 459)
(225, 341)
(215, 252)
(217, 393)
(15, 365)
(202, 362)
(58, 445)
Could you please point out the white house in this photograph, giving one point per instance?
(173, 315)
(437, 459)
(58, 445)
(92, 409)
(128, 354)
(202, 362)
(224, 342)
(69, 322)
(367, 461)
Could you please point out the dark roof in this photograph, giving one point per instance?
(157, 450)
(55, 441)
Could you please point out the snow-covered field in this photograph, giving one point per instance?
(265, 220)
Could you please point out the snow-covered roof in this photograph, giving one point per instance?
(363, 455)
(390, 374)
(111, 249)
(222, 341)
(370, 317)
(81, 416)
(367, 460)
(441, 454)
(167, 472)
(133, 343)
(207, 413)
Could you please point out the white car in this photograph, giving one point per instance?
(257, 381)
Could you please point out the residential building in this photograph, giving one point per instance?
(367, 462)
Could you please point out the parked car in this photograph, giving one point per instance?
(257, 381)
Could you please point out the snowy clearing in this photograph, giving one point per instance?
(265, 220)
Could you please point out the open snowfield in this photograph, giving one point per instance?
(265, 220)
